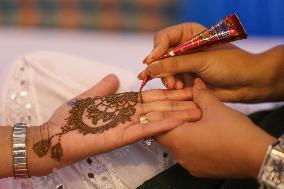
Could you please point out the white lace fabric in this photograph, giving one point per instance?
(36, 85)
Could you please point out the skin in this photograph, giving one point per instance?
(224, 143)
(164, 109)
(229, 72)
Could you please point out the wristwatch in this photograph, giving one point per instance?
(20, 151)
(271, 174)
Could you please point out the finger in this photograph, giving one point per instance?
(139, 131)
(192, 63)
(179, 83)
(202, 97)
(107, 85)
(142, 74)
(186, 115)
(169, 82)
(164, 39)
(163, 106)
(164, 94)
(172, 36)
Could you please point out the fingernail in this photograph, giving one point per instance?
(140, 76)
(144, 61)
(199, 84)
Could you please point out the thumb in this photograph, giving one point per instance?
(202, 96)
(191, 63)
(109, 84)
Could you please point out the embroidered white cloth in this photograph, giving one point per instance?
(36, 84)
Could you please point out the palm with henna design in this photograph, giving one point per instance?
(164, 109)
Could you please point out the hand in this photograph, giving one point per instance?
(223, 144)
(163, 108)
(229, 72)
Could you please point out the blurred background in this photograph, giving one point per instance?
(260, 17)
(94, 29)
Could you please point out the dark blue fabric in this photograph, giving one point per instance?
(260, 17)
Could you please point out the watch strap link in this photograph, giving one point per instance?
(20, 151)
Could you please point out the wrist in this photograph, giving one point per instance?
(6, 155)
(271, 171)
(268, 83)
(257, 152)
(38, 166)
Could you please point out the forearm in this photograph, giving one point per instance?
(36, 166)
(272, 73)
(6, 157)
(256, 150)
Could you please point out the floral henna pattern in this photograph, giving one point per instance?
(100, 113)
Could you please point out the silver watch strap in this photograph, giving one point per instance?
(271, 172)
(20, 151)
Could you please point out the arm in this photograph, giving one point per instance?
(36, 165)
(98, 121)
(273, 71)
(6, 158)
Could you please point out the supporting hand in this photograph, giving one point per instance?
(223, 144)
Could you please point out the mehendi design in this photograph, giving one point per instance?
(101, 113)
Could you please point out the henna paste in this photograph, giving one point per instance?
(99, 114)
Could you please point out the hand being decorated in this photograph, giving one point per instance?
(99, 121)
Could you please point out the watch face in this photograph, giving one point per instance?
(273, 171)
